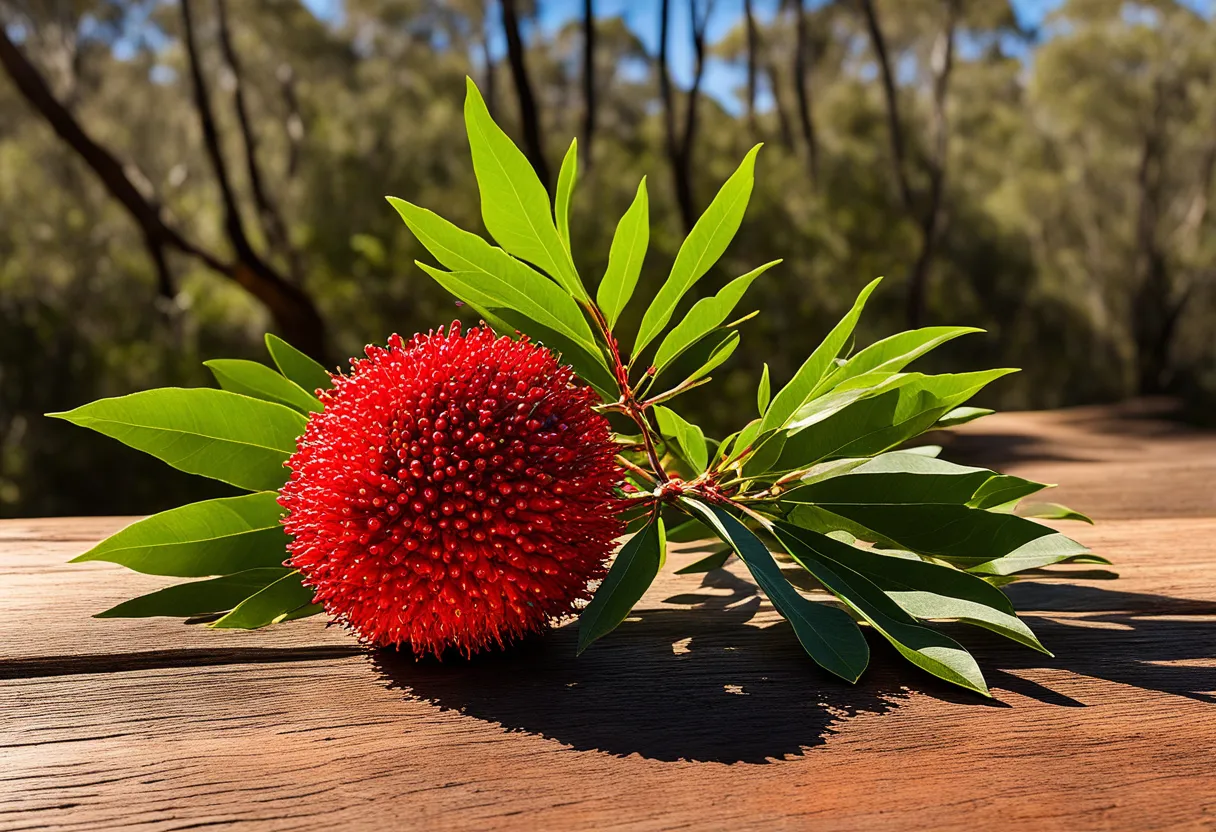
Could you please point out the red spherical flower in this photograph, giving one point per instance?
(457, 490)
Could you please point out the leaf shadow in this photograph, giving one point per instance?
(703, 682)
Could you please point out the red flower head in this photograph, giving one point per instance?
(457, 491)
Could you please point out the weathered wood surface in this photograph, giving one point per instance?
(699, 713)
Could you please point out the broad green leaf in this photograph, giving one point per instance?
(213, 433)
(827, 633)
(925, 450)
(249, 378)
(297, 366)
(706, 242)
(522, 312)
(625, 257)
(928, 590)
(892, 354)
(962, 415)
(214, 537)
(198, 597)
(1004, 490)
(794, 395)
(705, 316)
(566, 180)
(514, 204)
(631, 574)
(1042, 551)
(712, 561)
(926, 648)
(689, 437)
(496, 273)
(269, 606)
(763, 392)
(1051, 511)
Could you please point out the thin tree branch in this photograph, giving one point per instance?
(534, 146)
(293, 126)
(752, 47)
(802, 90)
(890, 97)
(589, 97)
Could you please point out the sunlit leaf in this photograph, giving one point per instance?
(198, 597)
(689, 437)
(297, 366)
(268, 606)
(566, 180)
(763, 392)
(249, 378)
(625, 258)
(631, 574)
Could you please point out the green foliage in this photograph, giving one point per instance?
(632, 572)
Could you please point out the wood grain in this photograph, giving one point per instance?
(700, 712)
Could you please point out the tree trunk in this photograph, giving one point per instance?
(588, 80)
(802, 90)
(752, 47)
(534, 146)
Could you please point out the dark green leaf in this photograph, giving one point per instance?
(625, 258)
(712, 561)
(198, 597)
(249, 378)
(214, 537)
(514, 204)
(706, 242)
(297, 366)
(269, 606)
(566, 180)
(827, 634)
(690, 530)
(631, 574)
(213, 433)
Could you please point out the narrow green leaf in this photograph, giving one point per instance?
(763, 393)
(1046, 550)
(625, 257)
(706, 242)
(1051, 511)
(566, 180)
(198, 597)
(1004, 489)
(305, 611)
(926, 648)
(214, 537)
(689, 531)
(710, 352)
(962, 415)
(794, 395)
(704, 317)
(827, 634)
(249, 378)
(712, 561)
(297, 366)
(892, 354)
(689, 437)
(271, 604)
(631, 574)
(213, 433)
(514, 204)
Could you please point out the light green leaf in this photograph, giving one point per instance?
(631, 574)
(763, 392)
(705, 316)
(297, 366)
(514, 204)
(213, 433)
(625, 257)
(566, 180)
(827, 634)
(214, 537)
(269, 606)
(706, 242)
(1042, 551)
(689, 531)
(795, 394)
(710, 352)
(926, 648)
(198, 597)
(1004, 490)
(962, 415)
(892, 354)
(688, 437)
(249, 378)
(1051, 511)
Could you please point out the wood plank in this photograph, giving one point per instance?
(700, 711)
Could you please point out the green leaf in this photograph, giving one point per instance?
(566, 180)
(892, 354)
(529, 314)
(631, 574)
(709, 353)
(763, 393)
(689, 531)
(705, 316)
(249, 378)
(962, 415)
(625, 257)
(269, 606)
(213, 433)
(927, 590)
(712, 561)
(198, 597)
(297, 366)
(706, 242)
(827, 634)
(214, 537)
(689, 438)
(926, 648)
(1042, 551)
(514, 204)
(1004, 490)
(1051, 511)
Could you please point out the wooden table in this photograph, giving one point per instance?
(700, 712)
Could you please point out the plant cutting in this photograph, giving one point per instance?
(459, 489)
